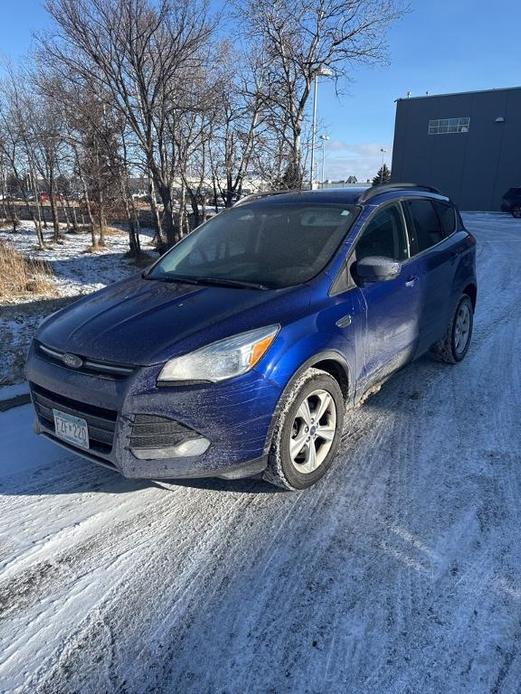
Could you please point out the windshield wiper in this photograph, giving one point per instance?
(216, 281)
(180, 280)
(225, 282)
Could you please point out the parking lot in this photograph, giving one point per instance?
(399, 572)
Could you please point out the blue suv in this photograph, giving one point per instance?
(239, 352)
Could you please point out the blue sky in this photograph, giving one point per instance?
(440, 46)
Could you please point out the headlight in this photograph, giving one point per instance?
(226, 358)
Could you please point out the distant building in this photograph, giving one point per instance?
(468, 145)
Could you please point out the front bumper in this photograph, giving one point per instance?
(234, 416)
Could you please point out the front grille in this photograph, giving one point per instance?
(151, 431)
(90, 366)
(100, 421)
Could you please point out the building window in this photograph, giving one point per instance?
(445, 126)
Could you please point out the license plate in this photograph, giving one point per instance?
(71, 429)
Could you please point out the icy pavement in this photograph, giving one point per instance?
(400, 572)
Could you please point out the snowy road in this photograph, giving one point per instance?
(400, 572)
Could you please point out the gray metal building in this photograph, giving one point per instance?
(468, 145)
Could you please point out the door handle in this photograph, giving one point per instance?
(411, 282)
(344, 321)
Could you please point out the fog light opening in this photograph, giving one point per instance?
(186, 449)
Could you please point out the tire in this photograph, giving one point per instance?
(455, 345)
(313, 391)
(516, 212)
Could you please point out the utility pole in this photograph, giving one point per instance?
(324, 139)
(322, 71)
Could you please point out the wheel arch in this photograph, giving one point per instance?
(471, 291)
(331, 362)
(339, 371)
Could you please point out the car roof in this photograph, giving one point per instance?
(348, 196)
(354, 195)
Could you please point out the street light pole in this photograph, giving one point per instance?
(322, 71)
(324, 139)
(313, 133)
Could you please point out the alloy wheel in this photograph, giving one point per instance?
(462, 328)
(313, 431)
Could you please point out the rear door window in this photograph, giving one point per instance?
(447, 216)
(426, 229)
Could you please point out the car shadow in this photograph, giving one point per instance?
(75, 475)
(249, 485)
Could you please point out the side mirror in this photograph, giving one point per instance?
(377, 269)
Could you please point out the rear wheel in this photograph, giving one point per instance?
(456, 342)
(307, 433)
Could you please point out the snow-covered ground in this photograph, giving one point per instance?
(76, 272)
(399, 572)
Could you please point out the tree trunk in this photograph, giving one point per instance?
(89, 211)
(132, 220)
(101, 198)
(293, 176)
(181, 218)
(30, 211)
(101, 218)
(38, 208)
(158, 236)
(15, 221)
(55, 218)
(70, 215)
(195, 208)
(54, 210)
(66, 217)
(74, 218)
(172, 235)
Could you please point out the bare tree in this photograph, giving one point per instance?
(44, 121)
(300, 38)
(139, 86)
(139, 52)
(16, 149)
(238, 119)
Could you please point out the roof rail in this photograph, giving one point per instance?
(265, 194)
(378, 189)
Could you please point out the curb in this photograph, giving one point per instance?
(17, 401)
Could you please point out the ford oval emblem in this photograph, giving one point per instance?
(72, 360)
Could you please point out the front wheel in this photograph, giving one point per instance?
(307, 432)
(455, 345)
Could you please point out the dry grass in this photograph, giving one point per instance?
(108, 231)
(114, 231)
(20, 276)
(94, 249)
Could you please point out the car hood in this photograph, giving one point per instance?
(144, 322)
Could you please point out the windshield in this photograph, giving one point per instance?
(268, 246)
